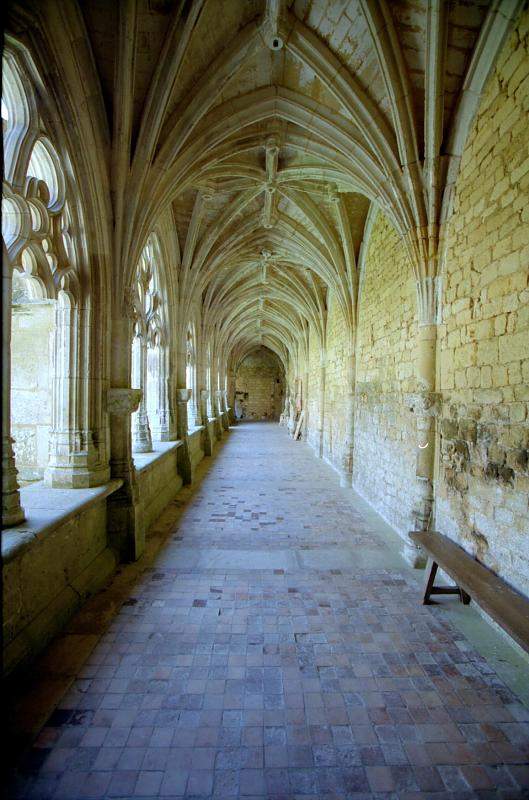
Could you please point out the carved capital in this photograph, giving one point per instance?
(129, 309)
(123, 401)
(183, 395)
(204, 394)
(429, 300)
(425, 404)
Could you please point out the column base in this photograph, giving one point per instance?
(413, 555)
(126, 533)
(185, 468)
(346, 479)
(12, 511)
(143, 447)
(75, 477)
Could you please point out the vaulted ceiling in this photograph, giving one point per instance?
(265, 129)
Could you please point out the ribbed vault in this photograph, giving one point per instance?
(257, 136)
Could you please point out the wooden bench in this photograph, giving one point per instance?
(506, 606)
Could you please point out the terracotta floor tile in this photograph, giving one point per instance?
(273, 647)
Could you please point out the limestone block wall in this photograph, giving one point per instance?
(483, 478)
(196, 452)
(260, 375)
(46, 576)
(335, 385)
(384, 444)
(158, 483)
(385, 428)
(313, 372)
(31, 375)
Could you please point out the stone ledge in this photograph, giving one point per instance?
(46, 510)
(195, 430)
(143, 461)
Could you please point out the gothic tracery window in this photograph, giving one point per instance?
(192, 410)
(148, 350)
(42, 258)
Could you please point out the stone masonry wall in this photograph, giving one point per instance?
(335, 385)
(314, 373)
(384, 456)
(483, 477)
(384, 453)
(31, 375)
(260, 375)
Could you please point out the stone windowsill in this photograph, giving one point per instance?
(47, 509)
(143, 461)
(195, 429)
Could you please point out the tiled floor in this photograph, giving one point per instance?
(276, 649)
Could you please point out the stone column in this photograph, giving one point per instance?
(231, 396)
(168, 391)
(218, 411)
(184, 461)
(425, 405)
(141, 433)
(346, 473)
(305, 398)
(125, 524)
(208, 444)
(321, 420)
(12, 511)
(74, 460)
(224, 405)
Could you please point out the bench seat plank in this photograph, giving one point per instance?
(507, 607)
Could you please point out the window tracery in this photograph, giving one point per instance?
(50, 437)
(149, 350)
(191, 378)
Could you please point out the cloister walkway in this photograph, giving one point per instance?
(273, 646)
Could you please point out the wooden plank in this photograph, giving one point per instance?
(505, 605)
(298, 425)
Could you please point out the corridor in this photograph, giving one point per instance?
(274, 647)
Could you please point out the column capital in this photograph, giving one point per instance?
(120, 402)
(429, 300)
(424, 403)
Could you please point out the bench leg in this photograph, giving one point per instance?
(430, 588)
(431, 572)
(464, 597)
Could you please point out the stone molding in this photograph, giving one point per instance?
(123, 401)
(424, 403)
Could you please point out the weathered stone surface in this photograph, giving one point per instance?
(259, 648)
(259, 385)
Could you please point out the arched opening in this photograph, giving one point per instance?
(209, 383)
(148, 351)
(191, 372)
(32, 371)
(260, 386)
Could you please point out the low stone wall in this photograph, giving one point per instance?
(196, 448)
(384, 462)
(51, 565)
(260, 377)
(158, 480)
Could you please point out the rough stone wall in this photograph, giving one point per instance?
(260, 375)
(46, 581)
(31, 366)
(384, 452)
(313, 371)
(483, 480)
(335, 385)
